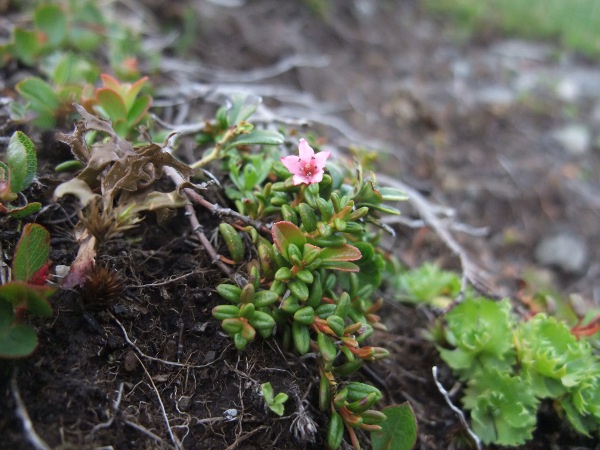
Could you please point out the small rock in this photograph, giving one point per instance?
(564, 250)
(568, 90)
(575, 139)
(496, 96)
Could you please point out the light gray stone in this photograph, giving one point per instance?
(564, 250)
(575, 139)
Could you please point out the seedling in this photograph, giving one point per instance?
(274, 402)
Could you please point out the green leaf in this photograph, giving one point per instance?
(111, 104)
(24, 211)
(242, 107)
(16, 340)
(257, 137)
(503, 408)
(344, 252)
(138, 110)
(286, 233)
(267, 392)
(398, 431)
(392, 194)
(28, 296)
(32, 251)
(22, 161)
(51, 20)
(27, 45)
(42, 99)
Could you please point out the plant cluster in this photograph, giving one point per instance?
(510, 366)
(61, 43)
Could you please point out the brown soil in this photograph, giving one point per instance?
(112, 366)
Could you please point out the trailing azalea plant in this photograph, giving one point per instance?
(315, 271)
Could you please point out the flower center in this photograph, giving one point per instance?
(308, 168)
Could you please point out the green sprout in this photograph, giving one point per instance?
(274, 402)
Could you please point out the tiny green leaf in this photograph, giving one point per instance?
(257, 137)
(22, 161)
(32, 251)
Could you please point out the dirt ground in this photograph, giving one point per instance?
(452, 117)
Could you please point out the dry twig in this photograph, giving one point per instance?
(30, 434)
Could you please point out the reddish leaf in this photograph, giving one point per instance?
(32, 252)
(286, 233)
(344, 252)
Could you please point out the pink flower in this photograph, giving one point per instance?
(307, 167)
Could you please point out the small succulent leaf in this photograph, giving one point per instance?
(299, 289)
(262, 320)
(336, 323)
(347, 368)
(335, 431)
(301, 337)
(52, 21)
(241, 107)
(398, 430)
(32, 251)
(265, 298)
(234, 242)
(305, 316)
(344, 252)
(324, 393)
(239, 342)
(21, 160)
(111, 104)
(341, 265)
(229, 292)
(357, 391)
(232, 325)
(222, 312)
(286, 233)
(392, 194)
(257, 137)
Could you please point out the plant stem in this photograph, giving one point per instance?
(215, 153)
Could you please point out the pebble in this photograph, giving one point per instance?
(563, 250)
(575, 139)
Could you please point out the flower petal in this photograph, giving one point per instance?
(291, 163)
(317, 177)
(306, 152)
(320, 159)
(300, 179)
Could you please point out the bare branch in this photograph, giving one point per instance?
(458, 412)
(34, 439)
